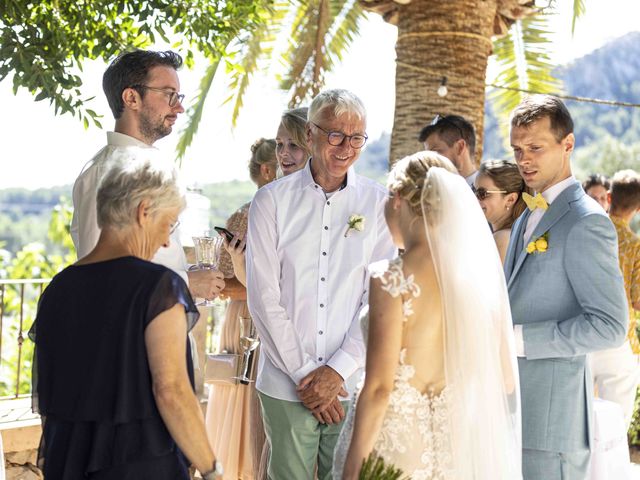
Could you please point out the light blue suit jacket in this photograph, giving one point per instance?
(570, 301)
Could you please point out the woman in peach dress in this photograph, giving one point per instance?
(233, 419)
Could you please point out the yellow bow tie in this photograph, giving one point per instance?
(535, 202)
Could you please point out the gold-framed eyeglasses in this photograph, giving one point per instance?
(174, 97)
(336, 138)
(482, 193)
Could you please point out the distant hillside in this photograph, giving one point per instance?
(608, 139)
(611, 72)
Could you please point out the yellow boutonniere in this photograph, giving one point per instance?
(539, 245)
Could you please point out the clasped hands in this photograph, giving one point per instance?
(319, 392)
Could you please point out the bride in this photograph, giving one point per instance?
(441, 396)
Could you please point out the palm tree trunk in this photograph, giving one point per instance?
(440, 38)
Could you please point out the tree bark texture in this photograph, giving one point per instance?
(440, 38)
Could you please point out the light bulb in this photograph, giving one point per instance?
(442, 90)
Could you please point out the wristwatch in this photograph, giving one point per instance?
(215, 473)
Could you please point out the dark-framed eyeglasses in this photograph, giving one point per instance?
(445, 120)
(481, 193)
(174, 227)
(174, 97)
(336, 138)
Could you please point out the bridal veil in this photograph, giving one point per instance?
(480, 361)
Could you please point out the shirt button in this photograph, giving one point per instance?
(322, 305)
(320, 332)
(326, 228)
(322, 279)
(324, 253)
(328, 203)
(316, 186)
(320, 359)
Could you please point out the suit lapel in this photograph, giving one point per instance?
(517, 239)
(556, 211)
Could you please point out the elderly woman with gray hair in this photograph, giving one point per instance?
(113, 376)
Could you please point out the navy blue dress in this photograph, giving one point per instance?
(92, 383)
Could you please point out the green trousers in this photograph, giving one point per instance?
(298, 441)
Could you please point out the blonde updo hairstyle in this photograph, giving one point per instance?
(408, 175)
(263, 152)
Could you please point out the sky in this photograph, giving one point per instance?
(39, 149)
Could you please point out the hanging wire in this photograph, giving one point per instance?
(571, 97)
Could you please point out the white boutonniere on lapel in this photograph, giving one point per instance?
(356, 222)
(539, 245)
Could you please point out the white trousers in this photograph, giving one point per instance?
(616, 374)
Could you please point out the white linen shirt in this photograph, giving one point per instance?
(84, 224)
(550, 194)
(306, 281)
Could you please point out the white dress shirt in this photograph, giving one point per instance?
(84, 224)
(550, 194)
(306, 281)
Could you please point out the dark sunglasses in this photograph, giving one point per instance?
(482, 193)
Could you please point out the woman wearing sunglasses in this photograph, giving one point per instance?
(498, 188)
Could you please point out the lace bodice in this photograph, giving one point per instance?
(394, 282)
(414, 435)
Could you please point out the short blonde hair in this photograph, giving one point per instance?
(408, 175)
(134, 176)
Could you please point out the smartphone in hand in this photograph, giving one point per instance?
(228, 235)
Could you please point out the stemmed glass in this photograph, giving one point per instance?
(248, 342)
(207, 250)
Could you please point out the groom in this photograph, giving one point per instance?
(566, 292)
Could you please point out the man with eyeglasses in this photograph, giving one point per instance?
(311, 236)
(142, 88)
(455, 138)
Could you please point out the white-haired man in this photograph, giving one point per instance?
(311, 236)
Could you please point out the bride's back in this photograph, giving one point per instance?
(423, 332)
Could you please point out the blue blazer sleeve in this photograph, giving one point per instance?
(591, 263)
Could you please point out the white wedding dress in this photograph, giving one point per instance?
(414, 435)
(468, 429)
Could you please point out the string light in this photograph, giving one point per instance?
(442, 89)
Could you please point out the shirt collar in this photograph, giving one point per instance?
(121, 140)
(551, 193)
(307, 177)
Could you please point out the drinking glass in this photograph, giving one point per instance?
(207, 250)
(248, 342)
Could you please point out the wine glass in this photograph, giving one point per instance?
(249, 341)
(207, 250)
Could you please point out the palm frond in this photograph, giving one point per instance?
(524, 62)
(579, 9)
(254, 50)
(194, 113)
(317, 44)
